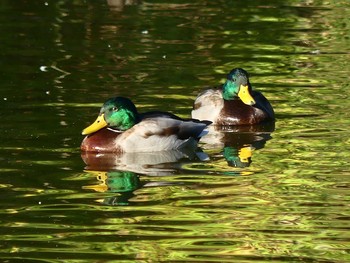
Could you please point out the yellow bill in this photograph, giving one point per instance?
(245, 95)
(245, 153)
(97, 125)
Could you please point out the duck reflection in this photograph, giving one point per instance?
(238, 142)
(120, 173)
(122, 182)
(148, 163)
(118, 5)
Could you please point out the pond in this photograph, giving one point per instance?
(268, 193)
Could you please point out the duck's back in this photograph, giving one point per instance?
(160, 134)
(208, 105)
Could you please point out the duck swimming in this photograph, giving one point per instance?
(233, 103)
(120, 128)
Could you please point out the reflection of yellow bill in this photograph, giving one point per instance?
(245, 95)
(245, 153)
(97, 125)
(101, 177)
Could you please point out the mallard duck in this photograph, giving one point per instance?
(120, 128)
(233, 103)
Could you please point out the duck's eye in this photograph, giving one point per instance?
(233, 79)
(113, 109)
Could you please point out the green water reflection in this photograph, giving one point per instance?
(277, 194)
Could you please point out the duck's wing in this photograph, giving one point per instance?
(161, 134)
(263, 104)
(163, 114)
(156, 114)
(208, 105)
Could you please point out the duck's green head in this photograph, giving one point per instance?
(237, 85)
(119, 113)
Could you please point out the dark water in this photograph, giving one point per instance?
(276, 193)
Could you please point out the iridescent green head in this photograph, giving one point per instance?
(237, 86)
(119, 113)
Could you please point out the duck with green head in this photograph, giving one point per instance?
(233, 103)
(120, 128)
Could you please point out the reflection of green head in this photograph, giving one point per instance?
(234, 158)
(120, 181)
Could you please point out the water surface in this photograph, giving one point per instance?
(274, 193)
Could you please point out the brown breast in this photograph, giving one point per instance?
(100, 141)
(235, 112)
